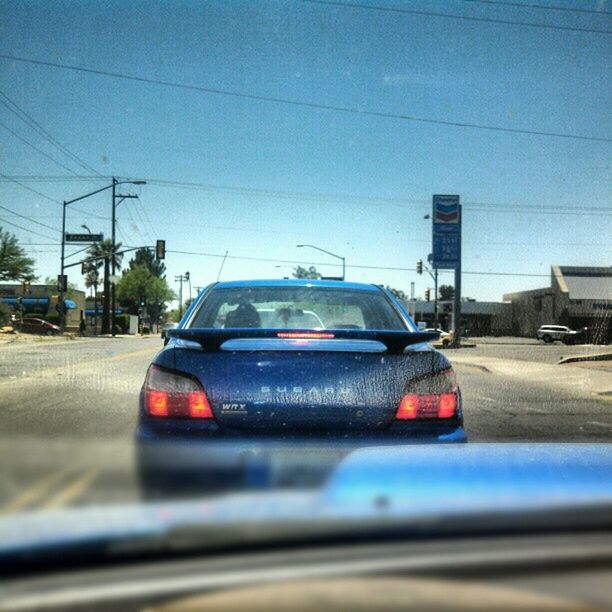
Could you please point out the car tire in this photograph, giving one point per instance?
(547, 338)
(49, 332)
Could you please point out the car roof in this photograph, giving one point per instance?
(298, 282)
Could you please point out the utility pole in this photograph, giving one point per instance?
(457, 296)
(113, 260)
(436, 318)
(434, 277)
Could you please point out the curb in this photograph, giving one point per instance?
(600, 357)
(476, 366)
(461, 346)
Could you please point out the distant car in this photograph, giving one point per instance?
(166, 327)
(33, 325)
(443, 334)
(445, 337)
(226, 384)
(550, 333)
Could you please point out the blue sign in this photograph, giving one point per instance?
(446, 240)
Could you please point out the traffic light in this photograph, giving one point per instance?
(62, 282)
(83, 268)
(142, 301)
(186, 276)
(160, 249)
(420, 266)
(427, 295)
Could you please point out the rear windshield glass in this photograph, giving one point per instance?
(297, 308)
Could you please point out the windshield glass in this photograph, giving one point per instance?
(297, 307)
(352, 255)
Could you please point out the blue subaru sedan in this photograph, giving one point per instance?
(261, 369)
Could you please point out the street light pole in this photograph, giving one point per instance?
(61, 278)
(312, 246)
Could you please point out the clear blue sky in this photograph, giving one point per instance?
(465, 71)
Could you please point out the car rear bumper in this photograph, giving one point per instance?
(208, 463)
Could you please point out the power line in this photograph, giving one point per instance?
(29, 244)
(39, 193)
(356, 266)
(405, 11)
(59, 178)
(55, 229)
(133, 223)
(42, 195)
(121, 234)
(404, 203)
(33, 146)
(543, 7)
(306, 104)
(230, 228)
(326, 197)
(25, 229)
(142, 222)
(14, 108)
(147, 219)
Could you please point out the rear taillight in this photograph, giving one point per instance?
(168, 394)
(430, 406)
(430, 397)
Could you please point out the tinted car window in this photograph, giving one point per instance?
(297, 307)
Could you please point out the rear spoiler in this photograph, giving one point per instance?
(212, 339)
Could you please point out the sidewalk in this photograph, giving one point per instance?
(516, 340)
(569, 377)
(18, 339)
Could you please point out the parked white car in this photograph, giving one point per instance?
(550, 333)
(442, 333)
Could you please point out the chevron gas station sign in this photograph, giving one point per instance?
(446, 247)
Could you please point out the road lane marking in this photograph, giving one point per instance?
(486, 399)
(600, 424)
(72, 490)
(128, 355)
(33, 492)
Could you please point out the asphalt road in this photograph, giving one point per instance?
(68, 411)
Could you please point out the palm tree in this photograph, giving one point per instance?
(104, 255)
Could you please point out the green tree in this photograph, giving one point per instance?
(398, 293)
(173, 316)
(300, 272)
(104, 255)
(137, 284)
(447, 293)
(14, 264)
(146, 257)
